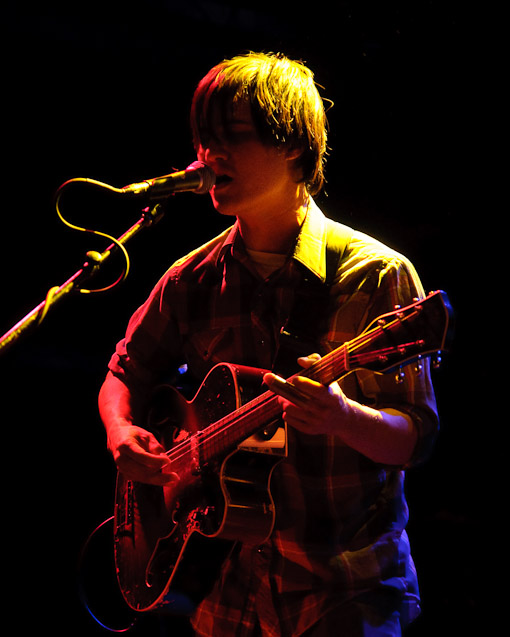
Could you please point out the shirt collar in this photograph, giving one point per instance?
(233, 245)
(309, 249)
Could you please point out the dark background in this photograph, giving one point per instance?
(102, 90)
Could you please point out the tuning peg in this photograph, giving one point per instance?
(437, 360)
(400, 376)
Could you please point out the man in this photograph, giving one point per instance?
(338, 559)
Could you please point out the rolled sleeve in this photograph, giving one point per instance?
(150, 348)
(376, 281)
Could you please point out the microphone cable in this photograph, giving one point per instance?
(92, 255)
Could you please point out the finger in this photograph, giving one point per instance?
(308, 386)
(308, 361)
(132, 451)
(285, 389)
(148, 442)
(309, 411)
(134, 470)
(298, 419)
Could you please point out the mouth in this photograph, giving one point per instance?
(222, 180)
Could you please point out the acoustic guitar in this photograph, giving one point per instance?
(224, 448)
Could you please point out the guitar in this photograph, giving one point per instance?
(224, 489)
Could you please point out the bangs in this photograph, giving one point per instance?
(213, 96)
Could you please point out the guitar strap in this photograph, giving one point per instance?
(298, 337)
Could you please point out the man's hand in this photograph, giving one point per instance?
(306, 404)
(386, 436)
(139, 456)
(136, 452)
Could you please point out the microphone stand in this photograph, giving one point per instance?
(88, 270)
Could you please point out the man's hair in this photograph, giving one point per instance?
(285, 103)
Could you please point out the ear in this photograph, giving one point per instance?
(293, 154)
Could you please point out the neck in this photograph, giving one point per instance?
(274, 232)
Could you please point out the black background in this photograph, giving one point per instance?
(102, 90)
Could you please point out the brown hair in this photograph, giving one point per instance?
(285, 104)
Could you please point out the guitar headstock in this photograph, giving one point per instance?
(404, 335)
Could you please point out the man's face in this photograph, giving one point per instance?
(252, 178)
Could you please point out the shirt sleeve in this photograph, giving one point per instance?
(150, 348)
(412, 393)
(372, 281)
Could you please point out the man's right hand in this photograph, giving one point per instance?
(139, 456)
(136, 452)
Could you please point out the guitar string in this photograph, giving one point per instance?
(218, 428)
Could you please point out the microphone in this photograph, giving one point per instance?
(197, 178)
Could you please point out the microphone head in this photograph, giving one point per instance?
(207, 177)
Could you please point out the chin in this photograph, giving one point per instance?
(224, 208)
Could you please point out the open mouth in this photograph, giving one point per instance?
(222, 179)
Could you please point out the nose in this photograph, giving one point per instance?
(213, 148)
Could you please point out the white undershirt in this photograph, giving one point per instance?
(266, 262)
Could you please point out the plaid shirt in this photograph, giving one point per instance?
(340, 517)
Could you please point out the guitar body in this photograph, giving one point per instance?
(169, 540)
